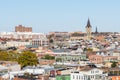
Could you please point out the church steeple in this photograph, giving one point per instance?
(96, 31)
(88, 23)
(88, 29)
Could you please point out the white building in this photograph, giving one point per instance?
(21, 35)
(17, 43)
(14, 44)
(117, 53)
(36, 39)
(40, 42)
(88, 74)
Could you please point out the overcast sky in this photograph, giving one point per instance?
(60, 15)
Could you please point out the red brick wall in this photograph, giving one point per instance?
(21, 28)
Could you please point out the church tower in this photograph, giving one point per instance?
(96, 31)
(88, 29)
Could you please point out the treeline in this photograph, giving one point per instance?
(24, 59)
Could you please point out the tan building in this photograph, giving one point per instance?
(110, 58)
(46, 62)
(21, 28)
(64, 71)
(77, 36)
(97, 59)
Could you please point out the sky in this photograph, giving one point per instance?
(60, 15)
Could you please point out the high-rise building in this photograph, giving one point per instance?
(21, 28)
(88, 29)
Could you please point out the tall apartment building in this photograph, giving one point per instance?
(21, 28)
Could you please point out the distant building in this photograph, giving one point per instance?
(21, 35)
(77, 36)
(14, 43)
(21, 28)
(40, 42)
(60, 36)
(22, 39)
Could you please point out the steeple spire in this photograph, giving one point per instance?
(88, 23)
(96, 30)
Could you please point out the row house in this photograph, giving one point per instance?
(110, 59)
(70, 57)
(98, 59)
(88, 74)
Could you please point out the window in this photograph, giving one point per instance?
(90, 76)
(92, 72)
(76, 76)
(79, 76)
(93, 76)
(82, 77)
(73, 77)
(96, 71)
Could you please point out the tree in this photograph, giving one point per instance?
(51, 40)
(89, 49)
(27, 59)
(58, 59)
(76, 34)
(4, 56)
(50, 37)
(13, 56)
(114, 64)
(8, 56)
(48, 57)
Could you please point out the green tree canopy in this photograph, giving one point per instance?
(114, 64)
(4, 56)
(51, 40)
(27, 59)
(48, 57)
(58, 59)
(8, 55)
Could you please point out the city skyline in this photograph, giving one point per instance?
(70, 15)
